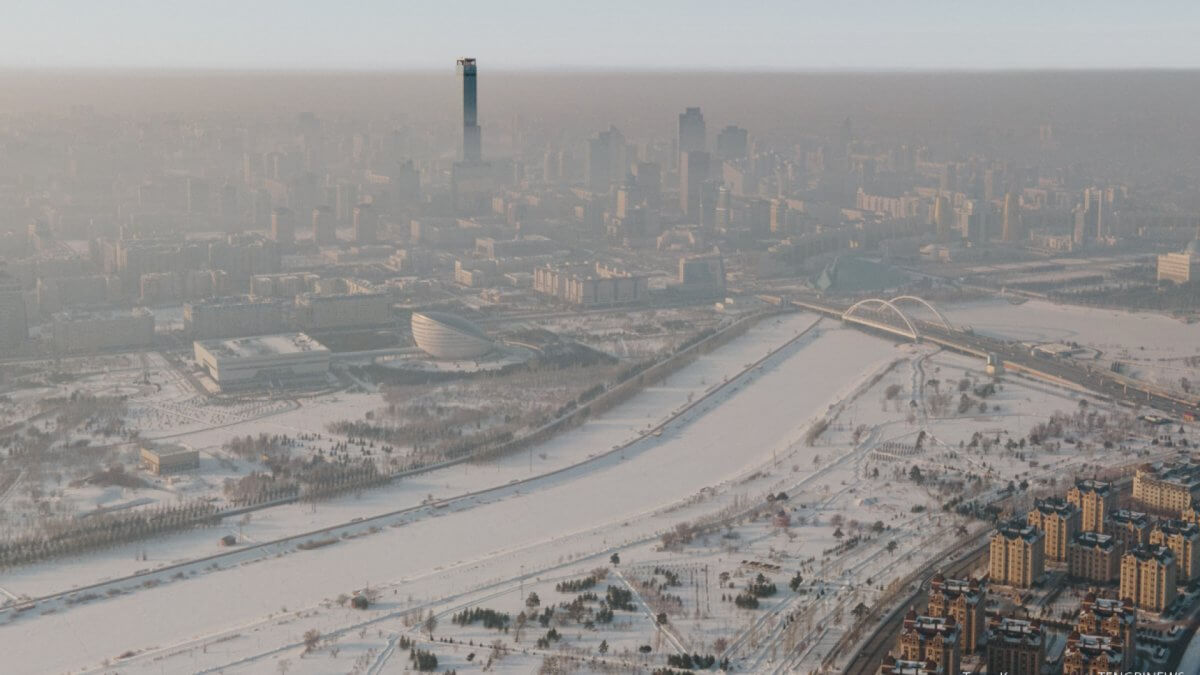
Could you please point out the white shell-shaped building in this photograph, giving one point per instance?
(446, 336)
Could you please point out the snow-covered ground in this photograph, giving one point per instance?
(247, 611)
(434, 558)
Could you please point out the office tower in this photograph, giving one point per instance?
(1095, 499)
(693, 172)
(1016, 556)
(1011, 230)
(647, 177)
(407, 183)
(1058, 519)
(366, 225)
(732, 143)
(472, 135)
(324, 226)
(692, 136)
(14, 323)
(943, 216)
(283, 227)
(721, 216)
(606, 160)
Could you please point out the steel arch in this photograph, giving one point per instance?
(912, 328)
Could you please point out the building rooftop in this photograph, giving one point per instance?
(263, 345)
(1095, 540)
(1093, 485)
(1160, 553)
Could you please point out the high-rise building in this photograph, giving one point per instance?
(732, 143)
(472, 135)
(692, 134)
(1148, 577)
(324, 226)
(366, 225)
(1015, 646)
(283, 226)
(693, 172)
(1011, 228)
(1016, 555)
(1059, 520)
(606, 160)
(1095, 500)
(1094, 557)
(1131, 528)
(1182, 538)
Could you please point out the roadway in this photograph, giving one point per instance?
(1017, 357)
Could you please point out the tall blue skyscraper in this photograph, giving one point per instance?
(472, 135)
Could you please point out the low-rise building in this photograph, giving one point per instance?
(589, 285)
(929, 638)
(1093, 655)
(963, 599)
(894, 666)
(1108, 616)
(165, 459)
(232, 317)
(81, 331)
(268, 360)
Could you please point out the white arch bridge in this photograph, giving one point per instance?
(866, 313)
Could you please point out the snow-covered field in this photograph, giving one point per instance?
(854, 521)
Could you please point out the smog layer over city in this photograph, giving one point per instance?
(652, 338)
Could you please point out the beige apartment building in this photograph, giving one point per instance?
(1015, 646)
(1016, 555)
(1166, 489)
(1131, 528)
(1095, 557)
(963, 599)
(932, 639)
(1181, 537)
(1148, 577)
(1058, 519)
(1095, 499)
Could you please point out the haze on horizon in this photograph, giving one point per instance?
(772, 35)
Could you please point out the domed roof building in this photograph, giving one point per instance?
(446, 336)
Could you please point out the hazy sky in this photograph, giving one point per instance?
(597, 34)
